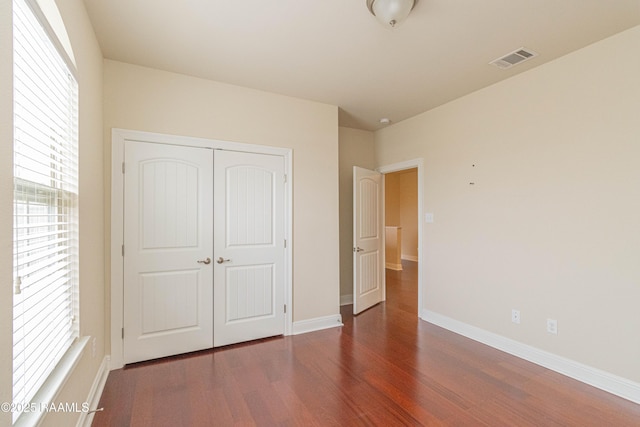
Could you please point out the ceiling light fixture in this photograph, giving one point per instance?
(391, 13)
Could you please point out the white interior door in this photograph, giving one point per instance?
(168, 238)
(368, 243)
(249, 248)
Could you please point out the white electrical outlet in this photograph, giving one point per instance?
(552, 326)
(515, 316)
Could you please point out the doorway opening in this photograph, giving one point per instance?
(403, 196)
(401, 238)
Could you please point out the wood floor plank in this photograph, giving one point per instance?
(384, 367)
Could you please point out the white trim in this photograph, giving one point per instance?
(383, 248)
(393, 266)
(86, 418)
(595, 377)
(346, 299)
(317, 324)
(409, 258)
(117, 240)
(411, 164)
(54, 383)
(118, 138)
(288, 255)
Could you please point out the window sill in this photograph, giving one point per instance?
(45, 396)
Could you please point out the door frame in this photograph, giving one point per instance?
(118, 139)
(419, 165)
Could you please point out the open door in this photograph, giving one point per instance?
(368, 243)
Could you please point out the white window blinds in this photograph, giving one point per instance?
(45, 253)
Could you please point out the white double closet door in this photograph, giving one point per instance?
(203, 248)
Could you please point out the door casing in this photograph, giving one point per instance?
(118, 138)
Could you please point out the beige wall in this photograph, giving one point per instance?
(409, 213)
(356, 149)
(89, 66)
(392, 200)
(139, 98)
(401, 208)
(551, 225)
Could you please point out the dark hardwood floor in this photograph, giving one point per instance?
(384, 367)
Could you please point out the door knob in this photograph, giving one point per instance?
(205, 261)
(221, 260)
(358, 249)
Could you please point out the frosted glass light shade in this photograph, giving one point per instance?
(390, 13)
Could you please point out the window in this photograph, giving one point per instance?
(45, 200)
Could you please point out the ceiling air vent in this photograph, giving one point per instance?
(513, 58)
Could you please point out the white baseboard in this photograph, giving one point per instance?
(413, 258)
(606, 381)
(346, 299)
(86, 418)
(317, 324)
(392, 266)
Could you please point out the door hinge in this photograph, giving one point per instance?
(285, 308)
(285, 243)
(122, 167)
(285, 178)
(122, 333)
(122, 250)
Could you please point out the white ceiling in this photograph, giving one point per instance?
(335, 52)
